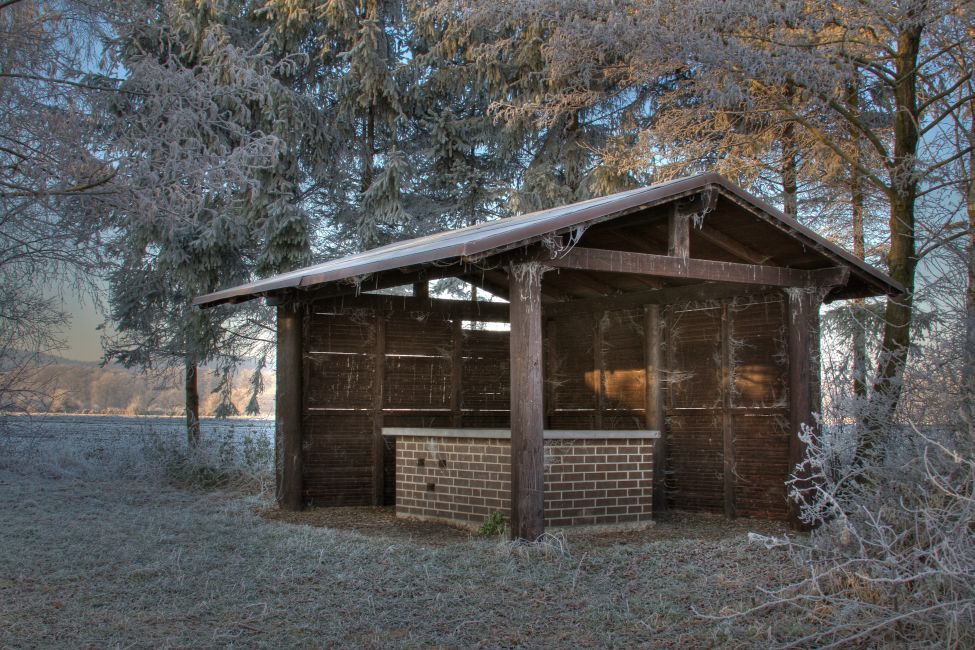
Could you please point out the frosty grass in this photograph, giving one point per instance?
(99, 549)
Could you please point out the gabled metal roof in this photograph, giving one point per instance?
(515, 232)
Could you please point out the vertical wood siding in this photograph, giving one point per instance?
(592, 360)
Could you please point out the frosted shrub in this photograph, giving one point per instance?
(892, 558)
(233, 454)
(221, 461)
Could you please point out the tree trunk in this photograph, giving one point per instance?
(897, 334)
(369, 149)
(902, 258)
(859, 250)
(859, 345)
(573, 155)
(192, 405)
(790, 171)
(968, 362)
(790, 161)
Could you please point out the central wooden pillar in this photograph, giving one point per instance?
(288, 403)
(527, 408)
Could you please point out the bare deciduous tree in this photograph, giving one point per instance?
(50, 181)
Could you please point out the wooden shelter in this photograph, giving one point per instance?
(688, 308)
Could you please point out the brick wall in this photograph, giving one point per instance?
(464, 480)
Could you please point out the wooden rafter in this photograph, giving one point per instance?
(494, 282)
(732, 246)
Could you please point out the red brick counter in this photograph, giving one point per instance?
(462, 476)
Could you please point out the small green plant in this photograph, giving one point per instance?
(494, 525)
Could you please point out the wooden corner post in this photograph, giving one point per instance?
(804, 390)
(527, 408)
(288, 403)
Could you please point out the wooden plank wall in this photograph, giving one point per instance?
(596, 370)
(595, 377)
(728, 396)
(761, 413)
(694, 397)
(339, 364)
(427, 377)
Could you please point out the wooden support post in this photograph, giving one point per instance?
(655, 403)
(457, 372)
(527, 407)
(679, 234)
(421, 290)
(379, 381)
(804, 396)
(288, 407)
(727, 419)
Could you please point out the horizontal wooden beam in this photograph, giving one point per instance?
(689, 293)
(494, 312)
(494, 282)
(606, 261)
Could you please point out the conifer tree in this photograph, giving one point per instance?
(357, 71)
(205, 134)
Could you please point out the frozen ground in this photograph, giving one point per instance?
(99, 550)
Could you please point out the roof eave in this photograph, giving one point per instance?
(884, 284)
(523, 233)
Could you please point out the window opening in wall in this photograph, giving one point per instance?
(485, 326)
(457, 289)
(401, 290)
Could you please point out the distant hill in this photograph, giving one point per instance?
(86, 387)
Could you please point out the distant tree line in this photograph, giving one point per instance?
(89, 388)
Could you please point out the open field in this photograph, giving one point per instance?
(98, 549)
